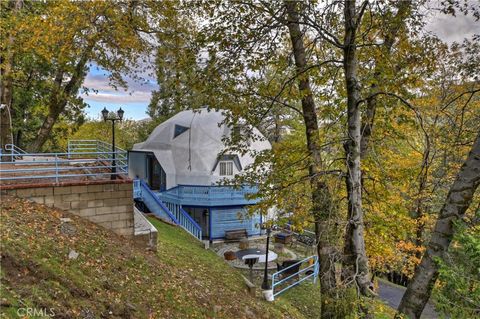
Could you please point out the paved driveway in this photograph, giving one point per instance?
(392, 294)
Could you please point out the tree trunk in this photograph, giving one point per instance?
(391, 34)
(419, 201)
(43, 133)
(56, 105)
(357, 260)
(6, 87)
(458, 200)
(59, 99)
(321, 199)
(277, 128)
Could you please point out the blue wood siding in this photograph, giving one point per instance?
(230, 218)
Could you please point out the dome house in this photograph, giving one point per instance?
(182, 162)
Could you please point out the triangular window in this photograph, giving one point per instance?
(179, 130)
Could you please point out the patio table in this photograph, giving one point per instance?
(253, 255)
(256, 253)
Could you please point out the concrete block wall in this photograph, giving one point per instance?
(146, 235)
(108, 204)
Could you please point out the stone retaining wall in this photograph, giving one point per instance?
(108, 203)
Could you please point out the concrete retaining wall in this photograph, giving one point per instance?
(108, 203)
(145, 232)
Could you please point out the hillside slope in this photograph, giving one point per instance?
(110, 278)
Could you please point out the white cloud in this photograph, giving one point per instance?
(451, 28)
(100, 82)
(97, 82)
(116, 97)
(101, 91)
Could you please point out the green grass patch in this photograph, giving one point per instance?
(305, 297)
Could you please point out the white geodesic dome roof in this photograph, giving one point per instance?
(191, 157)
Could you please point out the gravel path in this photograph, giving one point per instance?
(392, 294)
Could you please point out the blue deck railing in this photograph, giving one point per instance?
(154, 204)
(166, 210)
(137, 189)
(210, 195)
(283, 283)
(18, 165)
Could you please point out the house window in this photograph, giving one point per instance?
(226, 168)
(179, 129)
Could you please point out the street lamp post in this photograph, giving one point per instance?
(266, 284)
(111, 116)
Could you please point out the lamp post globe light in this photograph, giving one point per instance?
(111, 116)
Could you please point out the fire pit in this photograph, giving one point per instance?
(229, 255)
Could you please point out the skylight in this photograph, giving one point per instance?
(179, 129)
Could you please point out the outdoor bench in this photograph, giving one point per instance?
(235, 234)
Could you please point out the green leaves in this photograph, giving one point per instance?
(457, 293)
(55, 42)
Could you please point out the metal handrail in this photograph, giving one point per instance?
(314, 274)
(92, 144)
(57, 168)
(14, 149)
(158, 201)
(56, 176)
(195, 224)
(173, 210)
(65, 154)
(60, 162)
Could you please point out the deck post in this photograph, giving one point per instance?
(114, 164)
(56, 168)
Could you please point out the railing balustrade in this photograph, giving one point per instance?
(137, 189)
(101, 148)
(14, 150)
(209, 195)
(81, 160)
(154, 204)
(309, 272)
(167, 209)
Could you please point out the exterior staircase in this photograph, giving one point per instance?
(168, 211)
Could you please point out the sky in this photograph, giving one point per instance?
(135, 99)
(452, 28)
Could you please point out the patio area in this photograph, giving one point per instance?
(282, 253)
(293, 250)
